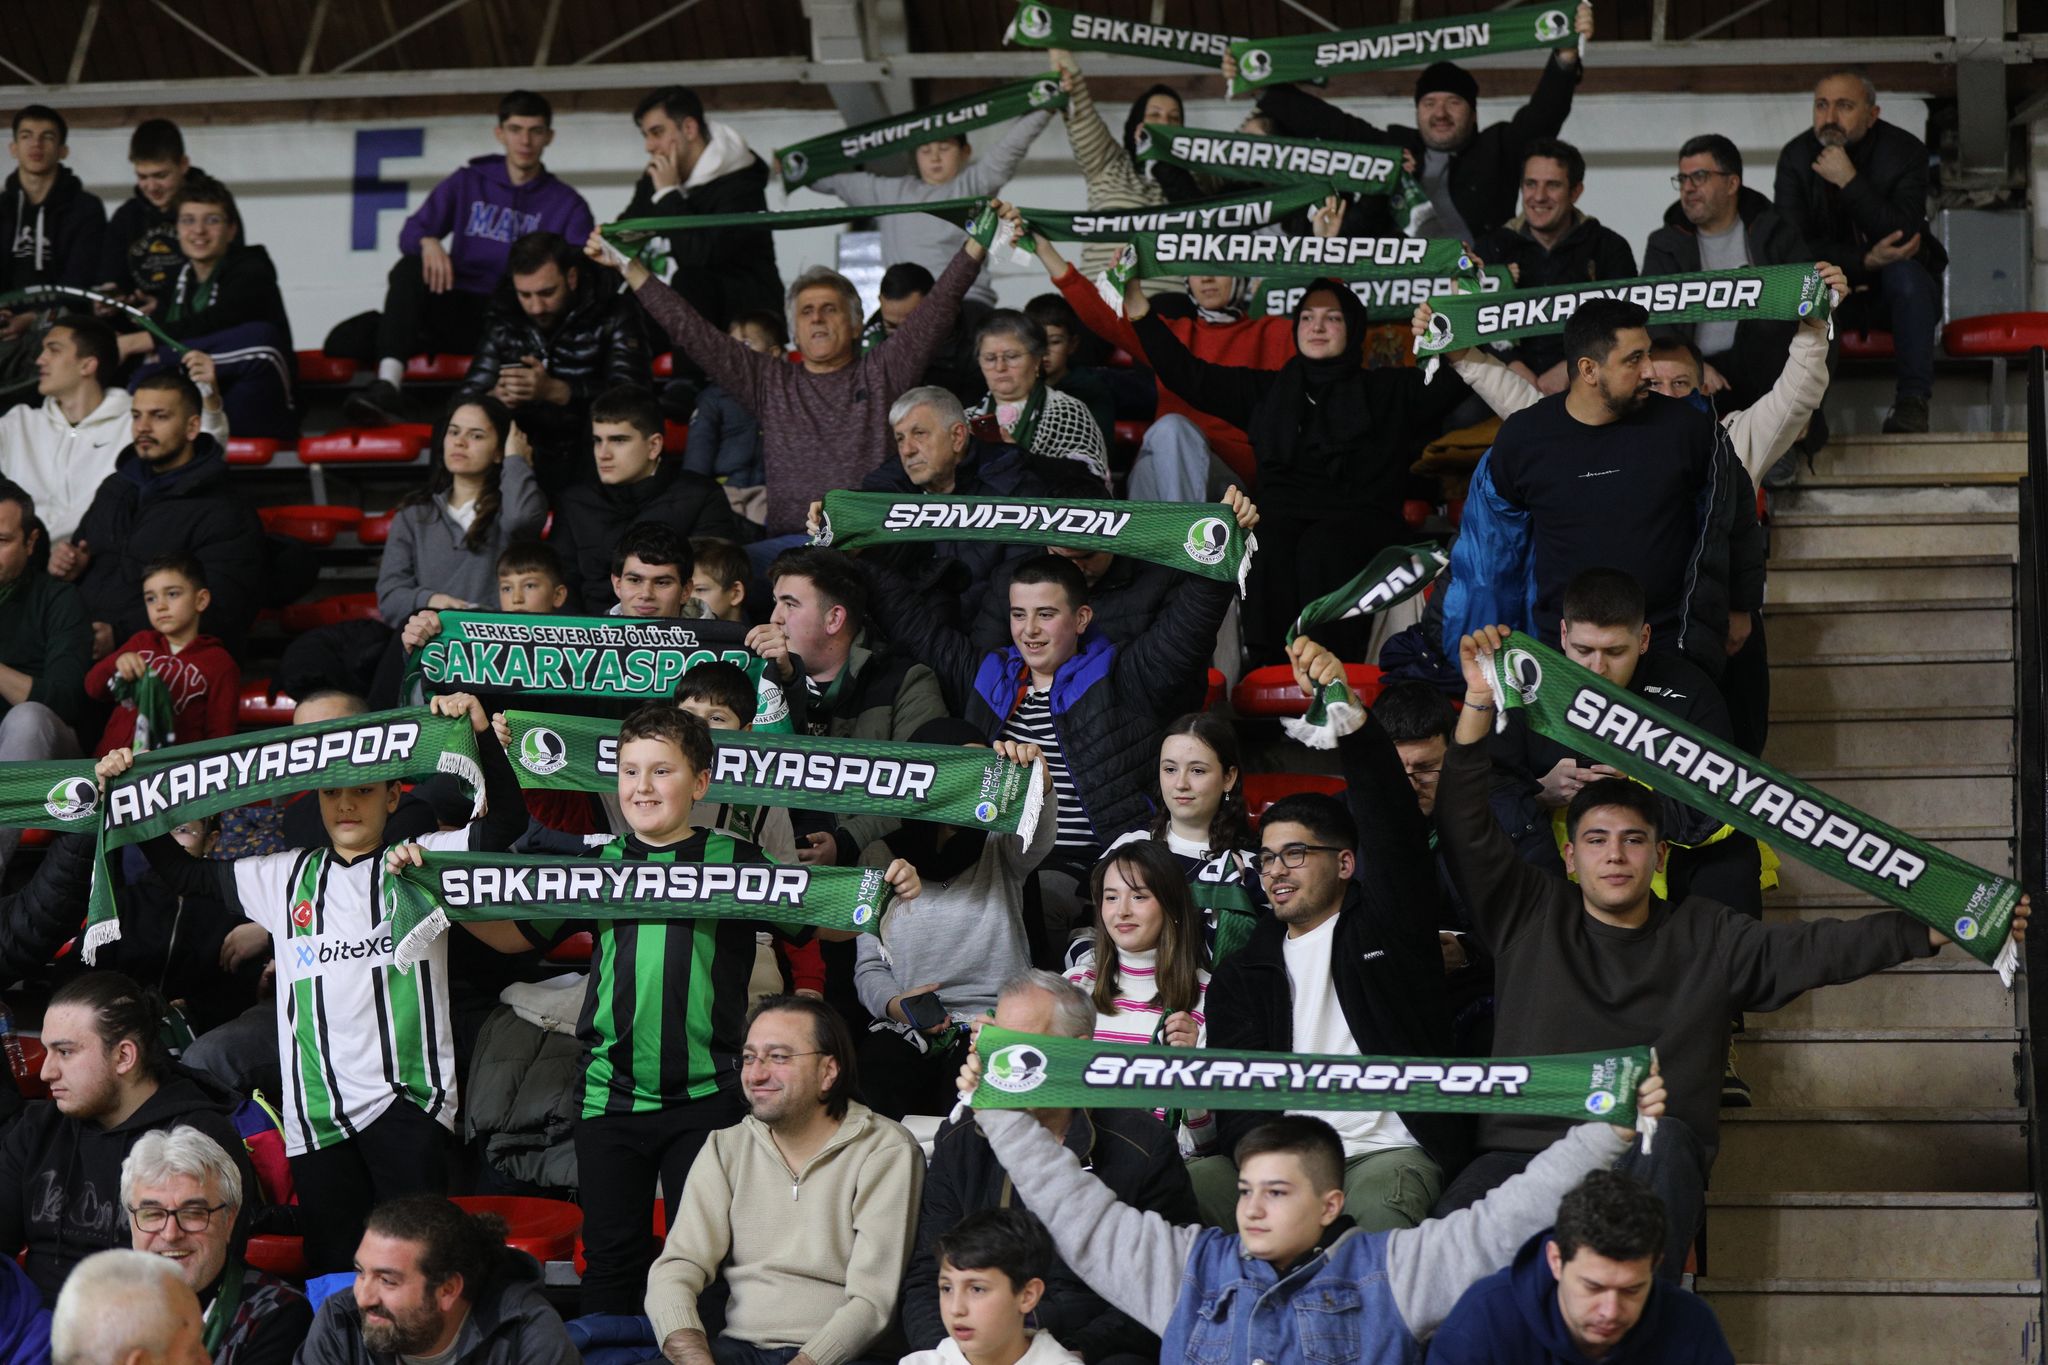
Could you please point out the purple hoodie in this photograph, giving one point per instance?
(486, 213)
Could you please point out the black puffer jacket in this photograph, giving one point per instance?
(1385, 964)
(136, 517)
(719, 271)
(1126, 1149)
(1109, 702)
(1674, 249)
(1889, 194)
(510, 1323)
(36, 920)
(1486, 177)
(590, 518)
(600, 342)
(1126, 600)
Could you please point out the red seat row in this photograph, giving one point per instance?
(318, 367)
(1272, 691)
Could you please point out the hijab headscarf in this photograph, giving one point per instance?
(1316, 411)
(1176, 181)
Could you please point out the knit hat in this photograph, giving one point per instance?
(1446, 78)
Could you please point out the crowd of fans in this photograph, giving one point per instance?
(725, 1101)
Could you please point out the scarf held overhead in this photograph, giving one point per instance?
(818, 157)
(1391, 300)
(1396, 574)
(456, 888)
(1299, 258)
(951, 786)
(1197, 538)
(1611, 725)
(572, 656)
(1318, 56)
(1031, 1071)
(1049, 26)
(1352, 167)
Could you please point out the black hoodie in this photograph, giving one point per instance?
(242, 289)
(54, 242)
(1333, 440)
(141, 249)
(60, 1178)
(590, 518)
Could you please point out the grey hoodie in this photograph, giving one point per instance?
(425, 553)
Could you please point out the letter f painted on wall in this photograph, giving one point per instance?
(370, 196)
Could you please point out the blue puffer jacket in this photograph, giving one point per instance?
(1322, 1311)
(1493, 581)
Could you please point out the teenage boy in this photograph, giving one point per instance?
(370, 1096)
(992, 1269)
(651, 574)
(50, 228)
(438, 294)
(141, 254)
(530, 579)
(634, 485)
(718, 577)
(203, 679)
(660, 1074)
(1298, 1261)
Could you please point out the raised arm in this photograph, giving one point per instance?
(1231, 392)
(741, 372)
(905, 356)
(991, 170)
(1297, 113)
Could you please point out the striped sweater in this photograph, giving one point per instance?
(1137, 1019)
(1114, 181)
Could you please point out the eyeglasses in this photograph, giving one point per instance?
(1004, 358)
(1696, 179)
(1294, 855)
(1424, 777)
(775, 1058)
(191, 1217)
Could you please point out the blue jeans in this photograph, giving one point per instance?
(1907, 300)
(1175, 463)
(732, 1351)
(760, 554)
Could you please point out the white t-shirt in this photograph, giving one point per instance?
(354, 1033)
(1319, 1026)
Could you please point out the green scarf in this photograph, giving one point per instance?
(1354, 167)
(167, 787)
(818, 157)
(1612, 725)
(1039, 25)
(1195, 537)
(227, 1302)
(1299, 258)
(951, 786)
(1785, 293)
(1396, 574)
(61, 795)
(63, 296)
(459, 888)
(571, 656)
(155, 716)
(1030, 1071)
(1385, 300)
(1218, 891)
(1317, 56)
(1026, 425)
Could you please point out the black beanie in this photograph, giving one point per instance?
(1446, 78)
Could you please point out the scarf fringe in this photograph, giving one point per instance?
(98, 936)
(1500, 699)
(1244, 566)
(412, 949)
(1034, 803)
(2007, 963)
(1341, 714)
(470, 771)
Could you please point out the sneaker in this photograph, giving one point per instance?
(1734, 1090)
(382, 404)
(1908, 414)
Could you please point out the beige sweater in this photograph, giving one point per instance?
(816, 1257)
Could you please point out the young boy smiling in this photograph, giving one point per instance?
(204, 681)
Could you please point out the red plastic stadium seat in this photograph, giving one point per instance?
(375, 530)
(1271, 691)
(1867, 346)
(675, 437)
(301, 617)
(665, 365)
(1120, 359)
(1263, 789)
(313, 523)
(277, 1254)
(1131, 435)
(318, 367)
(1216, 689)
(400, 444)
(1995, 334)
(1454, 510)
(1415, 512)
(251, 450)
(575, 948)
(437, 369)
(259, 706)
(544, 1229)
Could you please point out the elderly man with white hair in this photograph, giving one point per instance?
(182, 1194)
(126, 1308)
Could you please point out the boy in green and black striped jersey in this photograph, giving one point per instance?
(367, 1051)
(664, 1014)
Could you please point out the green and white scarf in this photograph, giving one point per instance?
(167, 787)
(1782, 293)
(1194, 537)
(818, 157)
(1218, 891)
(1386, 300)
(457, 888)
(1038, 25)
(1269, 257)
(950, 786)
(1354, 167)
(1396, 574)
(1318, 56)
(155, 715)
(572, 656)
(70, 296)
(1612, 725)
(1032, 1071)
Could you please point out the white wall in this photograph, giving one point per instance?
(293, 179)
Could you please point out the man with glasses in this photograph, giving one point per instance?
(1349, 964)
(182, 1194)
(1718, 223)
(813, 1272)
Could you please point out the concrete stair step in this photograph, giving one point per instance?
(1913, 803)
(1941, 453)
(1901, 1236)
(1989, 848)
(1797, 540)
(1959, 478)
(1877, 1322)
(1872, 1149)
(1935, 992)
(1844, 637)
(1806, 747)
(1866, 689)
(1805, 502)
(1969, 1068)
(1889, 579)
